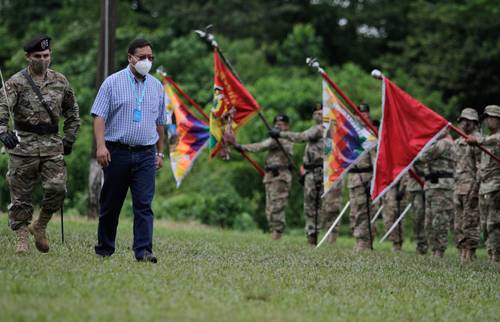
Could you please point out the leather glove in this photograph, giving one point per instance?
(274, 133)
(400, 195)
(9, 139)
(67, 146)
(238, 147)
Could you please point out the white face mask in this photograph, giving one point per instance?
(143, 66)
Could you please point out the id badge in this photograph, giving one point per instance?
(137, 115)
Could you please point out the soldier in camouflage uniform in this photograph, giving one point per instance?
(35, 148)
(489, 176)
(314, 213)
(278, 177)
(359, 179)
(393, 203)
(466, 223)
(439, 166)
(416, 197)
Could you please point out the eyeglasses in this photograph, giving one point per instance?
(142, 57)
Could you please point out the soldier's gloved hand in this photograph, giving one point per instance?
(9, 139)
(274, 133)
(67, 146)
(238, 147)
(400, 195)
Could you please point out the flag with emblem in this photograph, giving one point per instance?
(233, 106)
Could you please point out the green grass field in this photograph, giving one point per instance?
(206, 274)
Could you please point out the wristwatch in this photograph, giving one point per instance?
(161, 155)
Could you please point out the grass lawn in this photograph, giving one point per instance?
(206, 274)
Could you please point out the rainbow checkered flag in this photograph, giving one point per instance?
(346, 139)
(192, 136)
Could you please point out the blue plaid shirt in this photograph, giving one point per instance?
(116, 101)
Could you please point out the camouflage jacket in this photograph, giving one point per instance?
(489, 169)
(364, 178)
(276, 158)
(313, 154)
(440, 159)
(23, 105)
(411, 184)
(466, 171)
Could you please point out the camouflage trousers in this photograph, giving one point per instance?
(330, 209)
(319, 212)
(313, 189)
(277, 192)
(361, 214)
(489, 204)
(438, 208)
(417, 200)
(391, 213)
(23, 173)
(466, 223)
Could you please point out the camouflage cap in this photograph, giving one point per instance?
(492, 110)
(469, 114)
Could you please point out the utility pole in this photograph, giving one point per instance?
(106, 64)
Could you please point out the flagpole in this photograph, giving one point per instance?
(334, 223)
(187, 97)
(205, 116)
(210, 39)
(314, 63)
(396, 223)
(378, 75)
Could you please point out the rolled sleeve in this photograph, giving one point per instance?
(102, 101)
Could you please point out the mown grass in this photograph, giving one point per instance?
(212, 275)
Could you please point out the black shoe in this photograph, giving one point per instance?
(148, 257)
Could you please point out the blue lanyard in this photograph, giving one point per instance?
(138, 99)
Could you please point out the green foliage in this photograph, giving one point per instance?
(207, 274)
(443, 53)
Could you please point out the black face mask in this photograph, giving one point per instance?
(39, 66)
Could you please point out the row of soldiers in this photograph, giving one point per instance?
(460, 183)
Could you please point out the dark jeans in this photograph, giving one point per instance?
(134, 169)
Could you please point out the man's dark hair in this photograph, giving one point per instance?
(138, 43)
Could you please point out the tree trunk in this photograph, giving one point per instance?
(106, 65)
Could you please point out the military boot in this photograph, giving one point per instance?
(469, 256)
(438, 253)
(361, 245)
(332, 238)
(22, 244)
(312, 239)
(38, 230)
(275, 235)
(495, 258)
(462, 253)
(396, 247)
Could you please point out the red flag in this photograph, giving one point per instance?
(407, 129)
(233, 104)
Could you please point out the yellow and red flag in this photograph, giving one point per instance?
(233, 105)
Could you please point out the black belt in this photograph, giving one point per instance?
(130, 148)
(434, 177)
(270, 168)
(40, 129)
(312, 166)
(361, 170)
